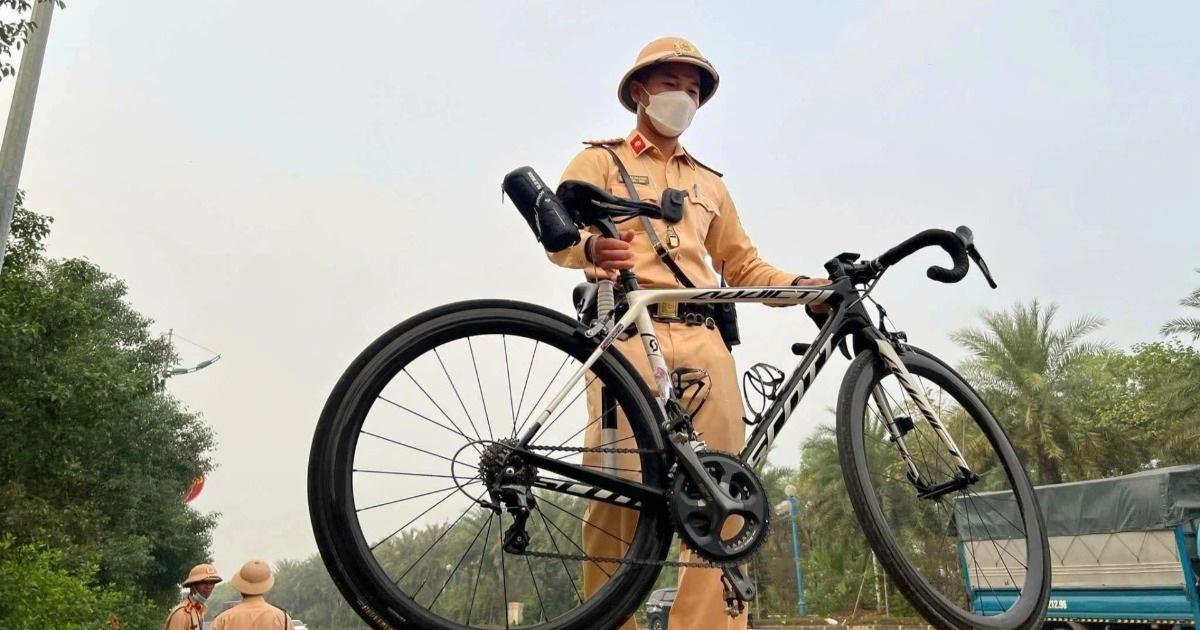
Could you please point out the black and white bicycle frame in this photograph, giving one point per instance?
(848, 316)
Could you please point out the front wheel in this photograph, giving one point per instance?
(967, 548)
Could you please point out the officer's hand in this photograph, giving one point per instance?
(611, 254)
(813, 282)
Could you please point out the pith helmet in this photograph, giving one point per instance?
(254, 578)
(667, 49)
(202, 573)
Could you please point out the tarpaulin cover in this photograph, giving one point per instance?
(1153, 499)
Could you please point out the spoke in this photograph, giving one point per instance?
(454, 388)
(414, 519)
(455, 430)
(417, 496)
(584, 521)
(590, 423)
(585, 428)
(508, 375)
(482, 551)
(568, 405)
(439, 539)
(544, 392)
(404, 474)
(557, 550)
(524, 387)
(458, 565)
(439, 408)
(420, 450)
(576, 545)
(538, 591)
(479, 382)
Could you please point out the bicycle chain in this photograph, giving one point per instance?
(597, 449)
(654, 563)
(658, 563)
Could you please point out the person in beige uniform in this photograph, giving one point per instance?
(668, 82)
(253, 580)
(189, 614)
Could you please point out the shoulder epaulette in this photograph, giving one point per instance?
(604, 142)
(705, 166)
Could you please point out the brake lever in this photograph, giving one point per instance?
(974, 253)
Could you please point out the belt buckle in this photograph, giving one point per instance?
(668, 310)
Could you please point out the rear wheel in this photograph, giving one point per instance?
(411, 476)
(991, 570)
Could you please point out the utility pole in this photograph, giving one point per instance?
(20, 115)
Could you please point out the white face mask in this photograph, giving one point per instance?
(198, 598)
(670, 112)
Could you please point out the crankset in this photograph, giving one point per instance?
(720, 531)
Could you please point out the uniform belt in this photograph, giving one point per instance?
(686, 313)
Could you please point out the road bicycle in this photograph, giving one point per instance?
(903, 454)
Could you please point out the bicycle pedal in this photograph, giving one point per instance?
(733, 603)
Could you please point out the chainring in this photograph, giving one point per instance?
(692, 518)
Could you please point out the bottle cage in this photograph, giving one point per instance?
(692, 387)
(765, 380)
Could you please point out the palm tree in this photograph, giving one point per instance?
(1186, 325)
(1025, 368)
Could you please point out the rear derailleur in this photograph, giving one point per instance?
(510, 483)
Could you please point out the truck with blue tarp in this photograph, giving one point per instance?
(1122, 551)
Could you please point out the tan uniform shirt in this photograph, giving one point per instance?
(187, 615)
(710, 225)
(253, 613)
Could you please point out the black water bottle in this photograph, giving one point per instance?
(543, 211)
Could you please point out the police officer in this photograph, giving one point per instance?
(667, 84)
(253, 581)
(189, 614)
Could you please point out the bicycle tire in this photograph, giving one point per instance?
(861, 377)
(347, 558)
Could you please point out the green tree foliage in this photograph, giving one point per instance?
(1027, 370)
(1186, 326)
(40, 593)
(95, 455)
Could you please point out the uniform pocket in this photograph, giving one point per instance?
(702, 210)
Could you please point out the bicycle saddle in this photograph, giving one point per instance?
(590, 201)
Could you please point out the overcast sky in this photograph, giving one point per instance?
(282, 182)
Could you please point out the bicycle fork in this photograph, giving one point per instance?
(899, 426)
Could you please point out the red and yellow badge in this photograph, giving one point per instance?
(684, 48)
(638, 144)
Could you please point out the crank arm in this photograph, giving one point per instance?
(742, 585)
(725, 504)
